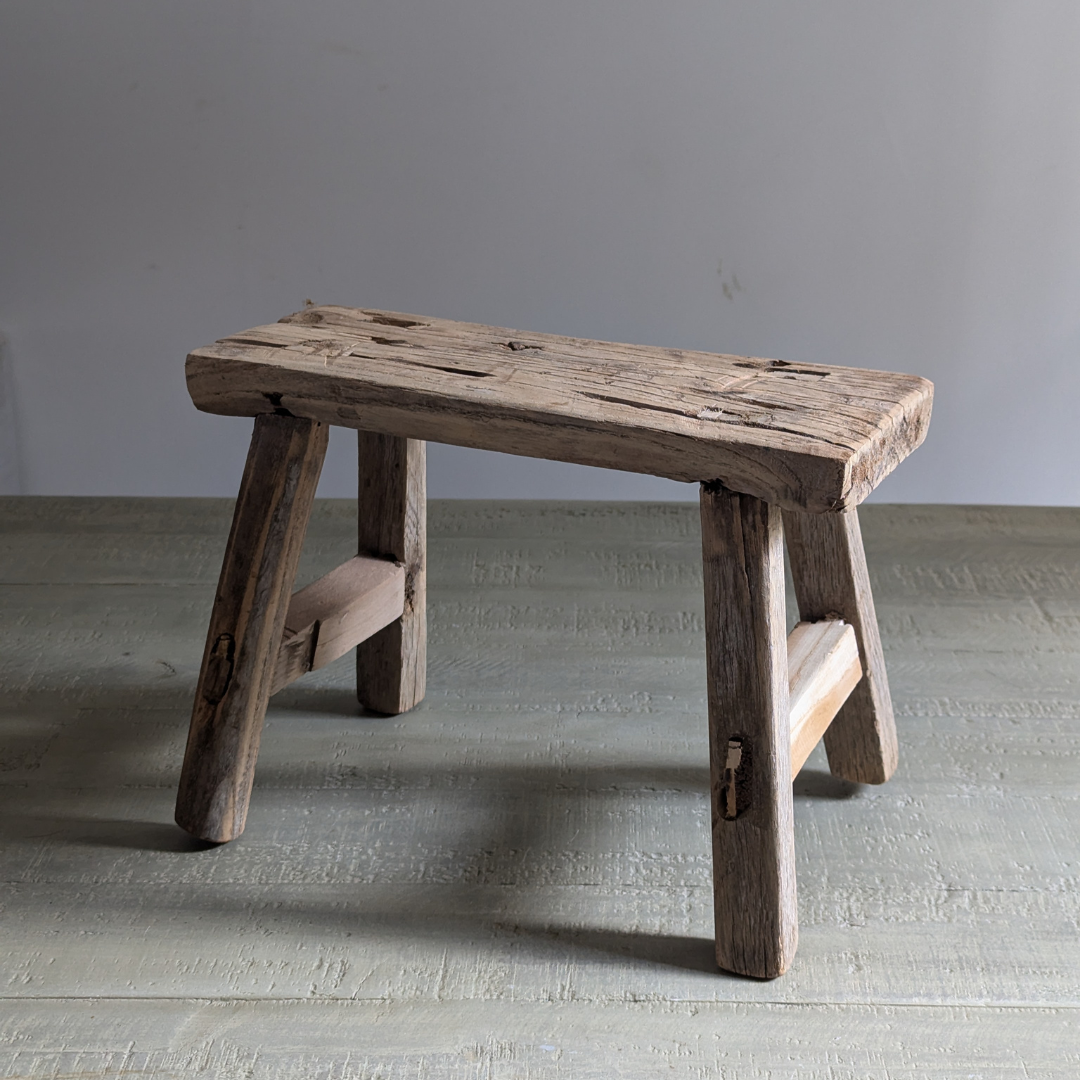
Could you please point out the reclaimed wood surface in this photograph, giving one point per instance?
(514, 880)
(828, 567)
(332, 615)
(823, 669)
(805, 436)
(246, 625)
(749, 733)
(391, 666)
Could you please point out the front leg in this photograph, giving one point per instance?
(269, 522)
(749, 733)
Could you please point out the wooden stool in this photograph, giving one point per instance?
(779, 448)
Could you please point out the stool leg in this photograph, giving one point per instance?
(391, 666)
(246, 624)
(829, 568)
(749, 733)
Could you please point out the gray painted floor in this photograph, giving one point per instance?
(513, 880)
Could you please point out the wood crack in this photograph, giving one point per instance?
(470, 372)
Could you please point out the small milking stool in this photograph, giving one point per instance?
(779, 448)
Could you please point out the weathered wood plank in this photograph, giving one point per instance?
(491, 943)
(464, 1040)
(391, 666)
(276, 493)
(808, 437)
(823, 668)
(749, 733)
(828, 567)
(330, 616)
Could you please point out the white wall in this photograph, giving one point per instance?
(886, 184)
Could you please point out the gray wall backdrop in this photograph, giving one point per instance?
(882, 184)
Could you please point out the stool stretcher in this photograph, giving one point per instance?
(823, 669)
(334, 614)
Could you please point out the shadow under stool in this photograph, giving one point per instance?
(782, 451)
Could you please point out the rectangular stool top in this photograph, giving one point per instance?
(805, 436)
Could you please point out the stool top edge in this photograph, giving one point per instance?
(808, 436)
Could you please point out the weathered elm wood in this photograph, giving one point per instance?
(828, 566)
(823, 668)
(804, 436)
(246, 624)
(328, 617)
(391, 666)
(749, 733)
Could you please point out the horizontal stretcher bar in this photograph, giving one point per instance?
(823, 669)
(357, 599)
(332, 615)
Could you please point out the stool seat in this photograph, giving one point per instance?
(805, 437)
(783, 452)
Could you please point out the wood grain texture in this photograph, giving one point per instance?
(391, 666)
(804, 436)
(246, 624)
(332, 615)
(823, 669)
(828, 567)
(749, 733)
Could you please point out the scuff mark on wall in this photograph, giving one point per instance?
(732, 285)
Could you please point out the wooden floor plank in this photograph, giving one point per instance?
(455, 1040)
(527, 941)
(522, 861)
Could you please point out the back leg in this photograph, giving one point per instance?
(391, 666)
(828, 565)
